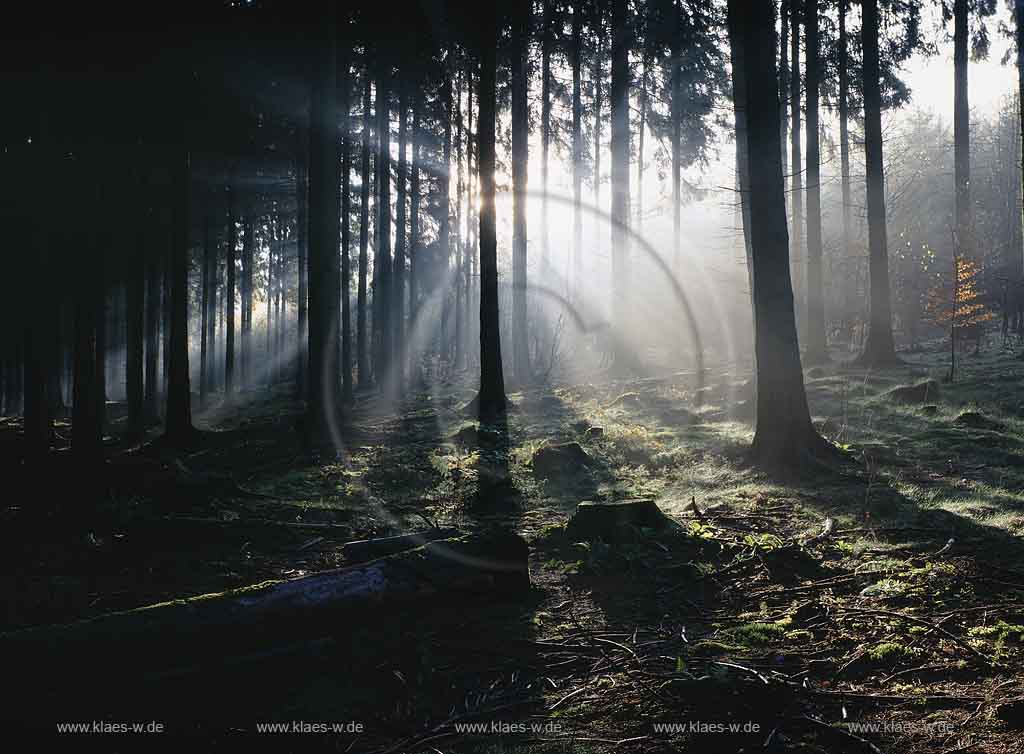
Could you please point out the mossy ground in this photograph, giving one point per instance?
(615, 636)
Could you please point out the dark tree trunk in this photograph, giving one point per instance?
(179, 430)
(460, 268)
(398, 292)
(135, 315)
(491, 399)
(301, 224)
(346, 232)
(545, 128)
(204, 345)
(784, 435)
(619, 100)
(817, 351)
(152, 408)
(961, 128)
(86, 421)
(675, 132)
(1019, 266)
(797, 258)
(879, 348)
(382, 261)
(739, 97)
(324, 201)
(576, 265)
(520, 162)
(362, 362)
(597, 74)
(444, 235)
(844, 140)
(784, 73)
(229, 300)
(415, 247)
(248, 284)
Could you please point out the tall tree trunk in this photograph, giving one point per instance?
(382, 266)
(471, 231)
(545, 128)
(398, 292)
(248, 284)
(844, 143)
(520, 163)
(961, 130)
(797, 259)
(324, 200)
(597, 75)
(817, 350)
(135, 316)
(444, 231)
(784, 74)
(204, 345)
(229, 300)
(879, 348)
(640, 136)
(301, 226)
(783, 435)
(576, 265)
(491, 400)
(179, 430)
(362, 360)
(346, 231)
(619, 100)
(459, 253)
(739, 97)
(151, 397)
(675, 133)
(86, 424)
(1019, 266)
(415, 247)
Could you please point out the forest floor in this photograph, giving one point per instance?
(898, 629)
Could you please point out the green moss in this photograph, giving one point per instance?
(758, 633)
(890, 652)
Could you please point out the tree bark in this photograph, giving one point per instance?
(362, 360)
(324, 201)
(545, 128)
(382, 262)
(520, 170)
(783, 436)
(398, 273)
(491, 401)
(844, 143)
(135, 325)
(576, 265)
(151, 398)
(204, 345)
(178, 429)
(797, 258)
(619, 100)
(229, 299)
(301, 226)
(961, 128)
(817, 350)
(346, 231)
(879, 348)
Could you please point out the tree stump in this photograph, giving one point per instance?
(616, 521)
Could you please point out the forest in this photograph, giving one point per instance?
(514, 378)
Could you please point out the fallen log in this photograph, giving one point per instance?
(208, 627)
(370, 549)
